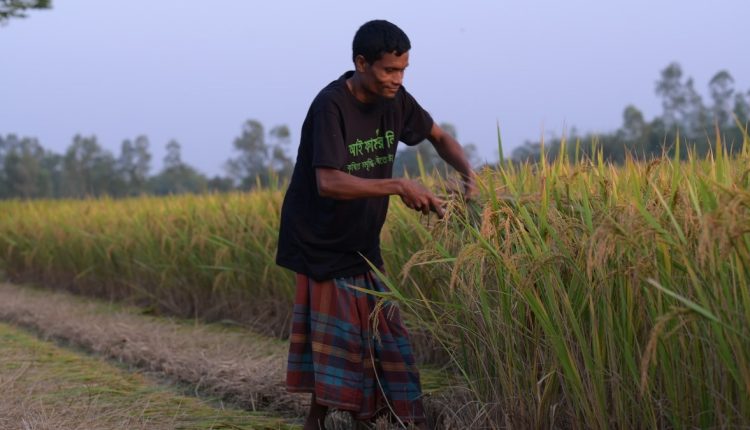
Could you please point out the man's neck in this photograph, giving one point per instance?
(357, 88)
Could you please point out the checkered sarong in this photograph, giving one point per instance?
(335, 354)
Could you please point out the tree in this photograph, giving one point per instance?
(633, 124)
(407, 159)
(88, 170)
(220, 184)
(24, 172)
(52, 164)
(683, 106)
(683, 112)
(671, 90)
(134, 164)
(721, 88)
(257, 160)
(17, 8)
(173, 159)
(253, 153)
(528, 152)
(694, 114)
(742, 108)
(177, 177)
(4, 188)
(281, 163)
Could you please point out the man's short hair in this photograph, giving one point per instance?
(377, 37)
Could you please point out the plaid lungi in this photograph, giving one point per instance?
(335, 353)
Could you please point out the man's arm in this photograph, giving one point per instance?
(451, 151)
(339, 185)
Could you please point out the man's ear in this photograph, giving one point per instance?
(360, 63)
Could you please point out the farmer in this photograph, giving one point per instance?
(331, 219)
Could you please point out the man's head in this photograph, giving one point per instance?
(378, 37)
(381, 54)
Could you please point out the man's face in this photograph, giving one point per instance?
(384, 77)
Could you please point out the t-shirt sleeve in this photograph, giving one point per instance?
(329, 149)
(417, 122)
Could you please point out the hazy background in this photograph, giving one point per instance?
(194, 71)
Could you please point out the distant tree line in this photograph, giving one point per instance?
(408, 159)
(684, 114)
(28, 170)
(261, 157)
(86, 169)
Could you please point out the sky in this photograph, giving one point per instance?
(194, 71)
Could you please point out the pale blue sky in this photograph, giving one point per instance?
(195, 70)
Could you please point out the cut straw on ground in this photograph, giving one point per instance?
(227, 363)
(44, 387)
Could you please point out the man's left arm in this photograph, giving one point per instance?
(451, 151)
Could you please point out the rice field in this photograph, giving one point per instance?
(570, 294)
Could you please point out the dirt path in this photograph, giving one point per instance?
(231, 364)
(45, 387)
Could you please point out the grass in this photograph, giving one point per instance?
(572, 293)
(46, 387)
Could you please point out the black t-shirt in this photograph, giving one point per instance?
(326, 238)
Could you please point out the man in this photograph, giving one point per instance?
(331, 220)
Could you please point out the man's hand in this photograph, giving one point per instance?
(335, 184)
(417, 197)
(471, 191)
(451, 151)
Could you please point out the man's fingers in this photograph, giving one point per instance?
(438, 206)
(471, 189)
(471, 193)
(422, 200)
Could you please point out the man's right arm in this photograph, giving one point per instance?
(335, 184)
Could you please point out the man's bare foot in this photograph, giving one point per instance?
(316, 416)
(312, 423)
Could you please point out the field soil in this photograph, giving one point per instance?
(225, 363)
(233, 364)
(43, 386)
